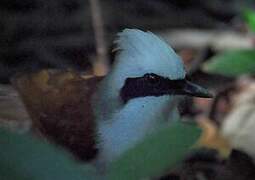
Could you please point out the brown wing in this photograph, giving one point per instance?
(59, 105)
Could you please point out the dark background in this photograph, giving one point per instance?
(35, 34)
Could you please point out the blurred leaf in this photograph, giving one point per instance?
(232, 63)
(249, 16)
(238, 126)
(26, 158)
(155, 154)
(212, 138)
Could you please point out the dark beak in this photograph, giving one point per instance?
(192, 89)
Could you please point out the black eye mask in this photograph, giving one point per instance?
(155, 85)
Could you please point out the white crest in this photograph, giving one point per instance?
(138, 53)
(143, 52)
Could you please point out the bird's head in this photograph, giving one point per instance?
(145, 65)
(126, 108)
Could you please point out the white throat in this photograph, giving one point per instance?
(131, 124)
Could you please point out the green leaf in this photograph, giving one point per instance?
(232, 63)
(249, 17)
(23, 157)
(155, 154)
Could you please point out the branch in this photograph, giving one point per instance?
(101, 64)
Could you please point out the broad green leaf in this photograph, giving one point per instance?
(23, 157)
(232, 63)
(155, 154)
(249, 16)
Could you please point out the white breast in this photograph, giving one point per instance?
(131, 124)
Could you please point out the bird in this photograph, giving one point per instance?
(134, 99)
(98, 120)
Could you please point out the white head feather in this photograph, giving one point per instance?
(138, 53)
(120, 126)
(143, 52)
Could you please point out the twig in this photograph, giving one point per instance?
(218, 40)
(101, 64)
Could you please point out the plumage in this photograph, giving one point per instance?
(59, 105)
(122, 124)
(99, 122)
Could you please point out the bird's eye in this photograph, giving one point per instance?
(152, 79)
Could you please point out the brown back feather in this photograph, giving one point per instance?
(59, 104)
